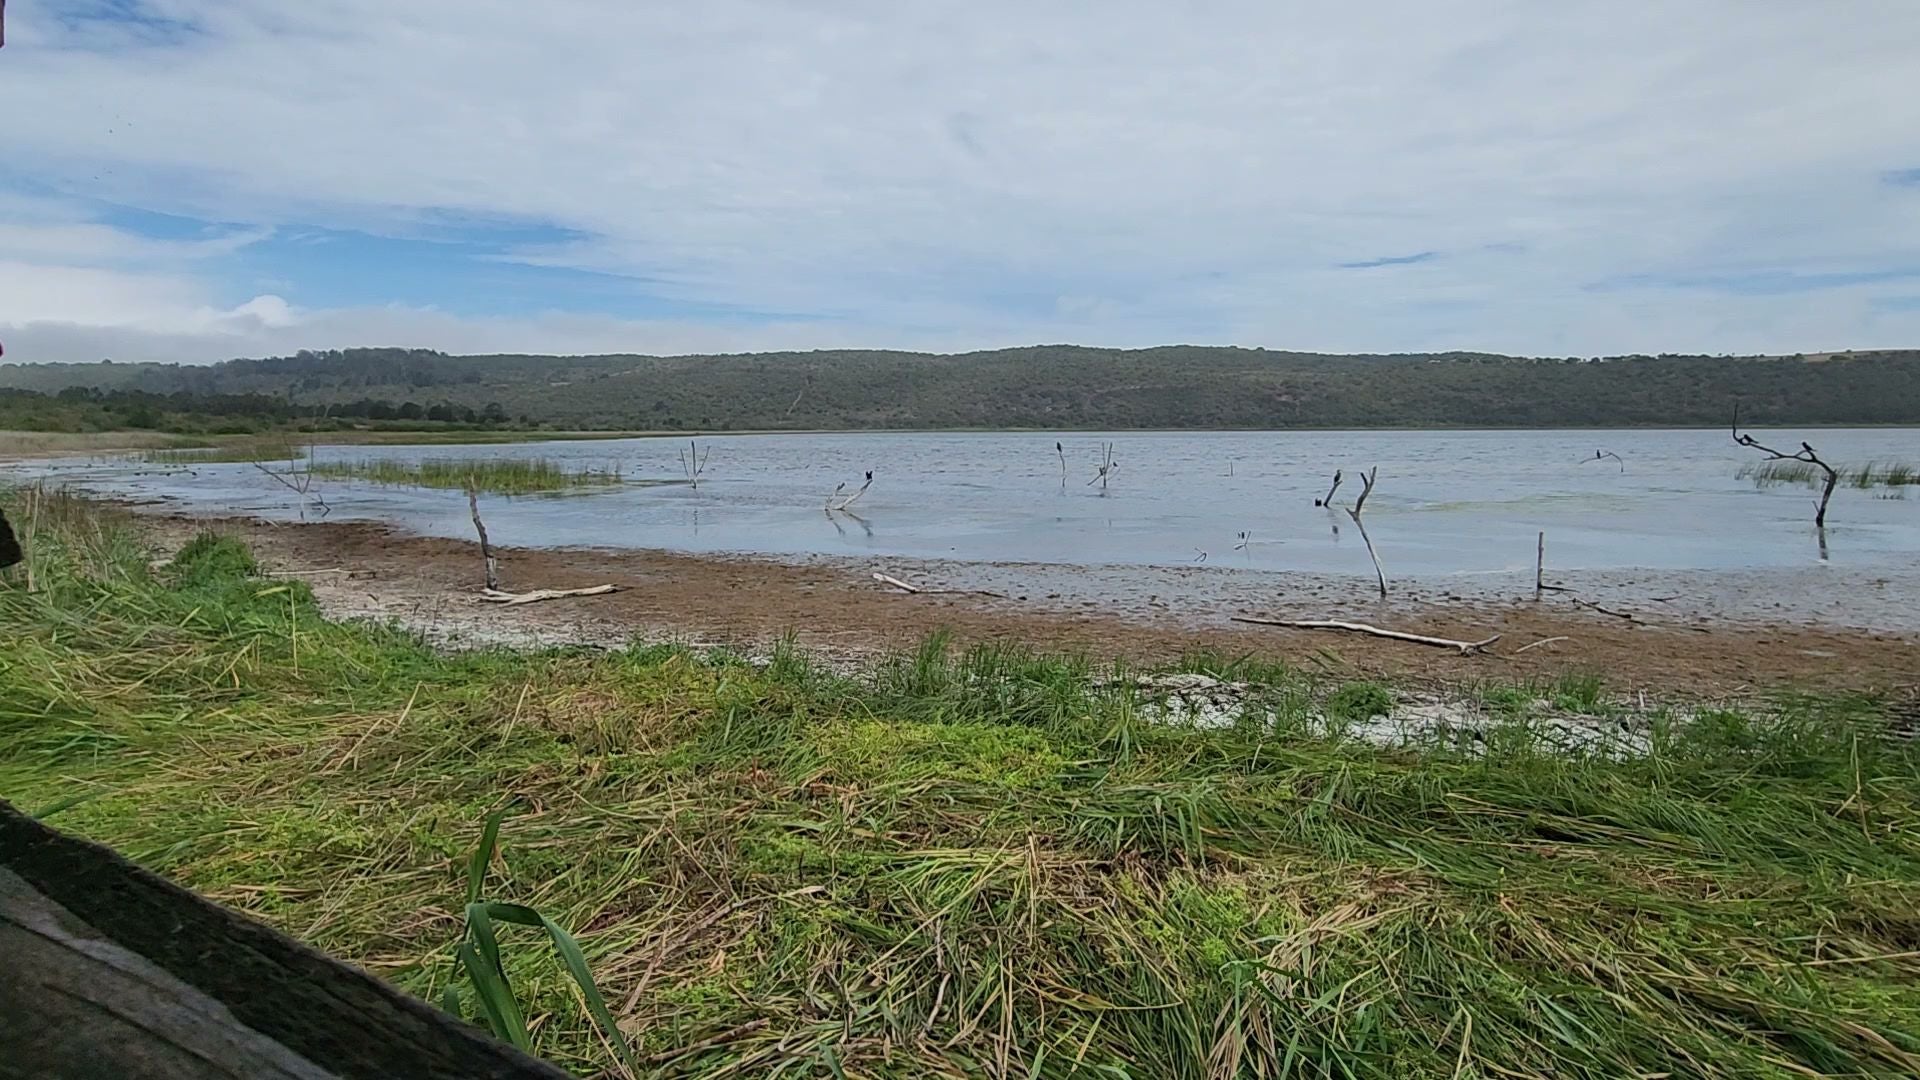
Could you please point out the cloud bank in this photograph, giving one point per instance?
(199, 179)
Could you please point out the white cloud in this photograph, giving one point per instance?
(955, 173)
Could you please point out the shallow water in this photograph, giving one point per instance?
(1449, 504)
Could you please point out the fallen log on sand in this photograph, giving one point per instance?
(1465, 647)
(498, 596)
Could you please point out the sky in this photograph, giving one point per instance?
(193, 180)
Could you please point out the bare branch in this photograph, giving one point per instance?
(486, 549)
(511, 599)
(1105, 471)
(1366, 479)
(298, 481)
(1328, 501)
(851, 499)
(1805, 453)
(1537, 644)
(695, 463)
(895, 583)
(1465, 647)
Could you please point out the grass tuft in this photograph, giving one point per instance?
(1360, 701)
(499, 476)
(212, 559)
(1767, 474)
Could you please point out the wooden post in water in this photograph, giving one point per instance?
(1539, 565)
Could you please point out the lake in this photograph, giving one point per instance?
(1450, 506)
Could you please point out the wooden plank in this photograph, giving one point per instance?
(114, 971)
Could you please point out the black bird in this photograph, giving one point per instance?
(10, 552)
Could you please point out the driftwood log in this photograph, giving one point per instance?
(511, 599)
(107, 970)
(1465, 647)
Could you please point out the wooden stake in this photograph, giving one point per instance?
(1539, 565)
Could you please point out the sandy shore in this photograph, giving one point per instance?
(834, 607)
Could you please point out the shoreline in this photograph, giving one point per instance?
(831, 606)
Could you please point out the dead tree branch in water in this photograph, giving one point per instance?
(1806, 454)
(1601, 455)
(1539, 567)
(1328, 501)
(1360, 504)
(1105, 471)
(297, 480)
(695, 464)
(851, 499)
(1061, 449)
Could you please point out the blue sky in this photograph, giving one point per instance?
(198, 179)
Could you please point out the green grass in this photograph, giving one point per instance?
(971, 863)
(1873, 474)
(1359, 701)
(500, 476)
(267, 451)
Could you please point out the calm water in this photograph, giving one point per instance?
(1448, 504)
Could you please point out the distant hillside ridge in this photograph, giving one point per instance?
(1056, 387)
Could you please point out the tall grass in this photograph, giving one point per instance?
(38, 443)
(1766, 474)
(229, 450)
(973, 863)
(501, 476)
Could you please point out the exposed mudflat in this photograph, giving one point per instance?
(833, 606)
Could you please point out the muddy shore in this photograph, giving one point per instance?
(833, 607)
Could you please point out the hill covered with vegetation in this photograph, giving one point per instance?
(1046, 387)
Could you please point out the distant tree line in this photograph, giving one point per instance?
(1050, 387)
(87, 408)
